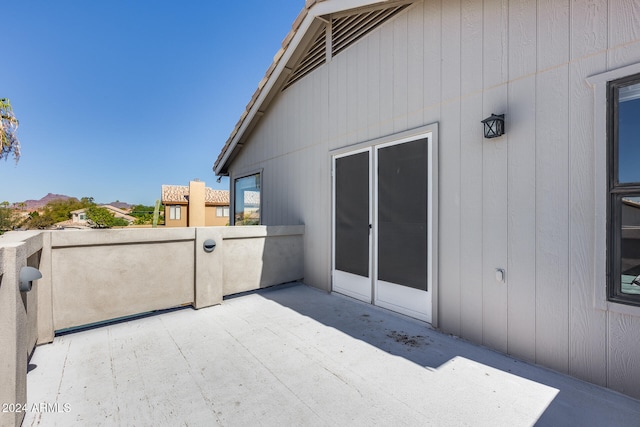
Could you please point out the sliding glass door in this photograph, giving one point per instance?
(382, 225)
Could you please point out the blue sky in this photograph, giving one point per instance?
(117, 97)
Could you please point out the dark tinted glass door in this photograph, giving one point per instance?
(352, 214)
(402, 214)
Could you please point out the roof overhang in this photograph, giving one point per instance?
(303, 29)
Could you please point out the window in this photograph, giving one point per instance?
(222, 211)
(174, 212)
(623, 244)
(247, 200)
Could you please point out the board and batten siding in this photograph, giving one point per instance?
(524, 202)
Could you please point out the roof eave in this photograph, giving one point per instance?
(266, 85)
(273, 79)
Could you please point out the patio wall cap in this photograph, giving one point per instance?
(252, 231)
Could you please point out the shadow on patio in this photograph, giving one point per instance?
(293, 355)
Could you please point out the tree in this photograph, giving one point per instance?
(120, 222)
(101, 218)
(7, 218)
(143, 214)
(8, 128)
(58, 211)
(39, 221)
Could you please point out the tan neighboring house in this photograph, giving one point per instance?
(194, 205)
(79, 216)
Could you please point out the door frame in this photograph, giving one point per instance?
(431, 132)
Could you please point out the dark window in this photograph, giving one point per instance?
(624, 190)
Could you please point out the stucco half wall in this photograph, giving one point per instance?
(96, 276)
(106, 274)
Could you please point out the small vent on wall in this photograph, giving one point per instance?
(346, 30)
(314, 57)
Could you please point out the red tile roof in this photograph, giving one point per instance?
(180, 194)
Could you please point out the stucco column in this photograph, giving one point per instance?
(13, 334)
(196, 204)
(208, 275)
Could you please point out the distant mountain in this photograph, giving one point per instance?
(38, 204)
(32, 205)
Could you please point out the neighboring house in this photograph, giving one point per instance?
(194, 205)
(367, 130)
(79, 216)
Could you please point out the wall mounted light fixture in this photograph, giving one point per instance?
(494, 126)
(209, 245)
(27, 276)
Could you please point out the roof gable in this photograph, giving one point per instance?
(302, 52)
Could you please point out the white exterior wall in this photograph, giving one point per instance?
(524, 203)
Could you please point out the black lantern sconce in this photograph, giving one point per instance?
(494, 126)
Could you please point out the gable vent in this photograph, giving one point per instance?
(314, 57)
(347, 30)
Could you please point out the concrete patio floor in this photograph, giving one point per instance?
(296, 356)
